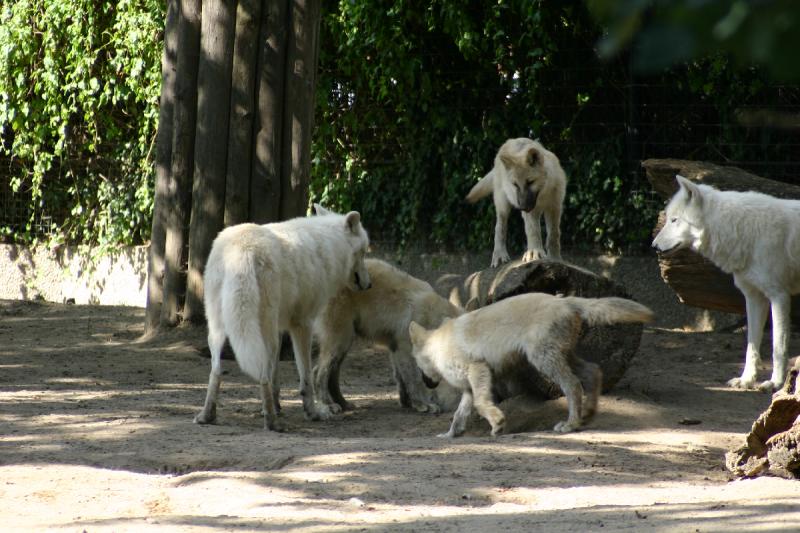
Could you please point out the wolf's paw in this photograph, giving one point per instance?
(334, 408)
(768, 386)
(742, 383)
(206, 416)
(448, 435)
(426, 407)
(499, 428)
(532, 255)
(499, 257)
(320, 411)
(566, 427)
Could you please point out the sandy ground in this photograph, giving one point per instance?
(97, 435)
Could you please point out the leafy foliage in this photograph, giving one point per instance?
(415, 102)
(79, 87)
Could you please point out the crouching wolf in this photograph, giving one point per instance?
(539, 327)
(756, 238)
(529, 178)
(262, 280)
(380, 315)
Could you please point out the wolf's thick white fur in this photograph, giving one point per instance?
(262, 280)
(756, 238)
(543, 328)
(527, 177)
(380, 315)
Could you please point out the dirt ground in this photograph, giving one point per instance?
(97, 435)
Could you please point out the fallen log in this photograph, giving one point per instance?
(695, 280)
(611, 347)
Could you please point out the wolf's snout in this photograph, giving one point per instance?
(528, 201)
(361, 285)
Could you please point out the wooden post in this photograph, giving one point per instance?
(211, 144)
(183, 133)
(240, 136)
(265, 186)
(298, 120)
(158, 235)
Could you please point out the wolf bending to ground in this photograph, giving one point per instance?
(756, 238)
(542, 328)
(529, 178)
(261, 280)
(380, 315)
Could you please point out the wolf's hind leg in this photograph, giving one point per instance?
(216, 340)
(553, 364)
(592, 380)
(301, 341)
(480, 379)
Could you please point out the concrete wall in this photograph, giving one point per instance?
(71, 273)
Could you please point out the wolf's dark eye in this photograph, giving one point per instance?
(516, 186)
(673, 220)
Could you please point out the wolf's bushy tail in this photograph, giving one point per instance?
(483, 188)
(611, 310)
(241, 316)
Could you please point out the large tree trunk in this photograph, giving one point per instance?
(612, 347)
(155, 264)
(240, 132)
(211, 144)
(697, 281)
(180, 179)
(265, 185)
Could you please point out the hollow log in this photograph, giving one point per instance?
(612, 347)
(695, 280)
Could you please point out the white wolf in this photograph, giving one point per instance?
(262, 280)
(380, 315)
(529, 178)
(756, 238)
(540, 327)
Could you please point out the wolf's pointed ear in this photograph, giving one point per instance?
(533, 157)
(353, 222)
(319, 210)
(693, 193)
(417, 333)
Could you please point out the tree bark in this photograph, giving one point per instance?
(265, 185)
(696, 280)
(180, 179)
(612, 347)
(240, 133)
(298, 122)
(211, 144)
(158, 236)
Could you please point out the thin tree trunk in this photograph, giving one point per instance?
(240, 136)
(211, 144)
(298, 121)
(155, 264)
(183, 133)
(265, 186)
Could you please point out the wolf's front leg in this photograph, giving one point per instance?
(460, 417)
(552, 219)
(480, 379)
(500, 254)
(409, 377)
(756, 305)
(781, 306)
(533, 231)
(326, 375)
(301, 341)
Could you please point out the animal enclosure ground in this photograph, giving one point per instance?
(97, 435)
